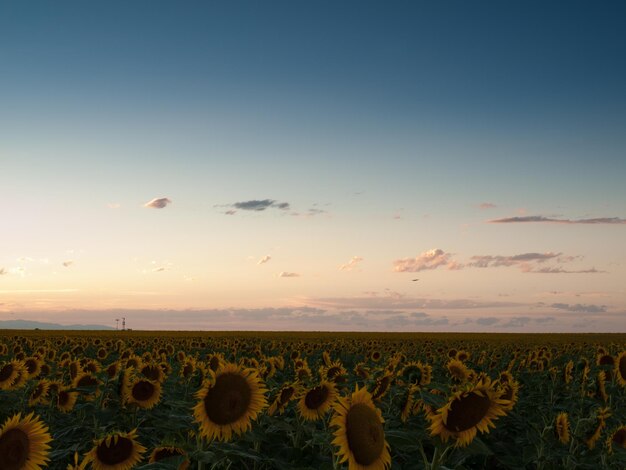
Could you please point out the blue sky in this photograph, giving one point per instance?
(383, 126)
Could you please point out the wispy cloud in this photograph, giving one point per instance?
(158, 203)
(428, 260)
(487, 205)
(580, 308)
(394, 300)
(556, 220)
(114, 205)
(487, 261)
(265, 259)
(258, 205)
(561, 270)
(288, 274)
(350, 265)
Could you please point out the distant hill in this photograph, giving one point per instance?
(31, 325)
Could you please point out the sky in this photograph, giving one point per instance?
(352, 166)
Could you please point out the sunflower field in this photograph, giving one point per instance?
(227, 400)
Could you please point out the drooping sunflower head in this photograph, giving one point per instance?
(620, 368)
(360, 435)
(315, 402)
(286, 393)
(617, 438)
(168, 453)
(382, 386)
(229, 401)
(416, 373)
(468, 411)
(24, 443)
(119, 451)
(561, 427)
(458, 371)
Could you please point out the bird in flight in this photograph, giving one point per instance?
(414, 280)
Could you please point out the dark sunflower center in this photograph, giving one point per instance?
(87, 381)
(151, 372)
(37, 392)
(163, 454)
(116, 452)
(413, 374)
(316, 397)
(64, 398)
(6, 372)
(214, 363)
(143, 390)
(286, 394)
(14, 449)
(31, 366)
(228, 399)
(366, 437)
(333, 372)
(467, 411)
(607, 360)
(622, 367)
(619, 437)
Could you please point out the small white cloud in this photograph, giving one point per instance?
(158, 203)
(114, 205)
(265, 259)
(286, 274)
(350, 265)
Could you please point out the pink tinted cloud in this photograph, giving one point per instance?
(431, 259)
(487, 205)
(158, 203)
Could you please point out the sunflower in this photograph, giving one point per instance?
(620, 368)
(142, 392)
(458, 371)
(33, 366)
(315, 402)
(24, 443)
(601, 386)
(510, 392)
(567, 372)
(416, 373)
(39, 394)
(287, 393)
(164, 453)
(229, 401)
(334, 372)
(77, 465)
(360, 435)
(616, 438)
(89, 384)
(382, 386)
(66, 399)
(468, 411)
(10, 373)
(561, 427)
(408, 403)
(117, 451)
